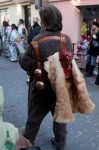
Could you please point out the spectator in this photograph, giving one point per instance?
(22, 31)
(97, 78)
(35, 30)
(82, 51)
(93, 51)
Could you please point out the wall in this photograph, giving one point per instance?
(19, 13)
(71, 17)
(16, 11)
(34, 13)
(87, 2)
(79, 2)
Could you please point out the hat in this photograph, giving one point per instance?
(96, 24)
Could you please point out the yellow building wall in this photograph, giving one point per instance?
(34, 13)
(15, 12)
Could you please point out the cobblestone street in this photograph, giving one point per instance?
(83, 133)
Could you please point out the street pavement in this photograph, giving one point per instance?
(83, 133)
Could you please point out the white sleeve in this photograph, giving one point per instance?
(85, 45)
(13, 36)
(20, 30)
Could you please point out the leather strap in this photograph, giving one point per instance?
(61, 37)
(63, 41)
(36, 48)
(48, 38)
(37, 53)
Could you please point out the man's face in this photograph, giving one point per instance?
(93, 27)
(11, 28)
(19, 23)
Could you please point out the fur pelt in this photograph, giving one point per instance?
(72, 95)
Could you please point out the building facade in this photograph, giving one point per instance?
(13, 10)
(74, 12)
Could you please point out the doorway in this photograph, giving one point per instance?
(89, 14)
(28, 17)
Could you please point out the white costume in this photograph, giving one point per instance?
(6, 31)
(23, 37)
(13, 38)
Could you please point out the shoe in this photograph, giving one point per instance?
(53, 141)
(88, 75)
(14, 60)
(96, 85)
(7, 56)
(62, 148)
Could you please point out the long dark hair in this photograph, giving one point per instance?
(21, 20)
(5, 24)
(14, 26)
(51, 17)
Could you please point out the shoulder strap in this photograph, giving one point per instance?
(48, 38)
(35, 44)
(63, 41)
(37, 53)
(36, 48)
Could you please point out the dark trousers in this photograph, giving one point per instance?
(36, 113)
(97, 78)
(90, 65)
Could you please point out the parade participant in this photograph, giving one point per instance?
(6, 31)
(13, 38)
(34, 30)
(22, 31)
(44, 100)
(41, 102)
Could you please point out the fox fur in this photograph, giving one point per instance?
(71, 94)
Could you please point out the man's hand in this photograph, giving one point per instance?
(22, 142)
(94, 36)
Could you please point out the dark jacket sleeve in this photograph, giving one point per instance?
(97, 39)
(27, 60)
(94, 50)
